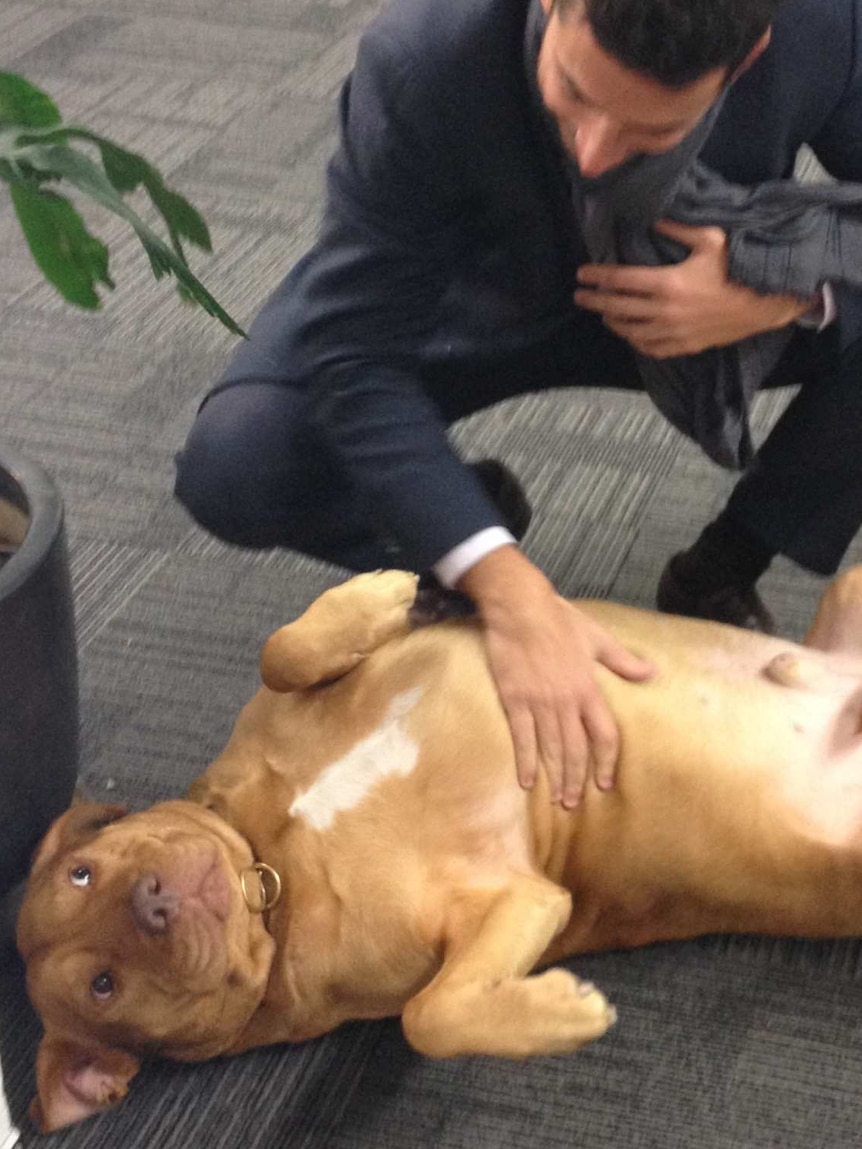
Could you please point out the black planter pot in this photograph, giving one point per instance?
(38, 665)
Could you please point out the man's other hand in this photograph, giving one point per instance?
(683, 308)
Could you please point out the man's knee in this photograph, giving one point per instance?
(234, 474)
(215, 498)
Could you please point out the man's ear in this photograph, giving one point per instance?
(754, 55)
(73, 829)
(75, 1081)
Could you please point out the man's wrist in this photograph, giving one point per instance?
(455, 563)
(757, 312)
(822, 311)
(504, 580)
(783, 311)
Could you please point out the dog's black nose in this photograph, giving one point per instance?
(153, 906)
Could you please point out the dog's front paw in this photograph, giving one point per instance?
(340, 629)
(393, 588)
(381, 603)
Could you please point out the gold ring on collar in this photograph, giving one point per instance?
(265, 899)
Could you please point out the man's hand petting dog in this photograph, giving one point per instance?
(543, 653)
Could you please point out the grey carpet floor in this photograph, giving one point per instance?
(722, 1043)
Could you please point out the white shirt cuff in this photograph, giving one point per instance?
(455, 562)
(822, 315)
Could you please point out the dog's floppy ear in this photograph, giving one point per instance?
(75, 1081)
(74, 828)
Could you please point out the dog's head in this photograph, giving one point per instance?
(138, 942)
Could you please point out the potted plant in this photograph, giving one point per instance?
(38, 667)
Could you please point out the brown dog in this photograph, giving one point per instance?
(373, 780)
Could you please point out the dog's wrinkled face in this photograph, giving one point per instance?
(138, 942)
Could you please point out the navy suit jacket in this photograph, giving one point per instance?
(448, 232)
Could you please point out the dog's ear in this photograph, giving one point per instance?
(73, 829)
(75, 1081)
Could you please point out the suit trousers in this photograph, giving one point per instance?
(256, 473)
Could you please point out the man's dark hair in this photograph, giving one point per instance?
(675, 41)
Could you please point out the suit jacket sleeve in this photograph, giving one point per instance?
(838, 144)
(350, 321)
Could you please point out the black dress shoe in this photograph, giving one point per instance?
(737, 606)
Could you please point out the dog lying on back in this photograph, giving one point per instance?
(362, 849)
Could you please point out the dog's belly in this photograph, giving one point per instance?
(780, 717)
(823, 784)
(739, 793)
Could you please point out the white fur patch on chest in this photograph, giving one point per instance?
(388, 750)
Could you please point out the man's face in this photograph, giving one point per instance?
(605, 112)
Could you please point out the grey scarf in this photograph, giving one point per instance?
(783, 237)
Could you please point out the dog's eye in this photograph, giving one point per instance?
(80, 876)
(102, 986)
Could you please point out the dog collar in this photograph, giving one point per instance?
(261, 887)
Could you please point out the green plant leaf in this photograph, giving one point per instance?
(83, 173)
(13, 162)
(24, 104)
(70, 258)
(40, 153)
(127, 171)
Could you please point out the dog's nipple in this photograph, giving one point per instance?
(793, 670)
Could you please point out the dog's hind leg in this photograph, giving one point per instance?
(837, 625)
(482, 1000)
(340, 629)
